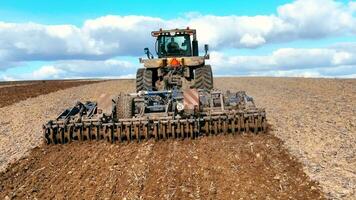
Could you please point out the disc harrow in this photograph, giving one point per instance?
(144, 129)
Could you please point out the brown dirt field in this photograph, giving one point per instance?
(217, 167)
(21, 122)
(316, 118)
(313, 119)
(18, 91)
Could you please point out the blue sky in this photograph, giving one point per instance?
(71, 39)
(75, 12)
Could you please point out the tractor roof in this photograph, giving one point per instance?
(172, 32)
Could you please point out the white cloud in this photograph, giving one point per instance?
(322, 62)
(317, 18)
(237, 31)
(109, 36)
(252, 41)
(352, 6)
(79, 69)
(30, 41)
(7, 78)
(288, 61)
(121, 35)
(301, 19)
(89, 50)
(48, 71)
(340, 58)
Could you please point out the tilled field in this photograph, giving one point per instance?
(220, 167)
(315, 119)
(21, 122)
(18, 91)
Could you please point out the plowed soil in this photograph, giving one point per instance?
(312, 139)
(18, 91)
(220, 167)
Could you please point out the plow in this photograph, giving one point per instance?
(174, 98)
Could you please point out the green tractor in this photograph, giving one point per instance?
(178, 64)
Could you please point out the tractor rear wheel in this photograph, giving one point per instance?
(204, 78)
(124, 107)
(144, 80)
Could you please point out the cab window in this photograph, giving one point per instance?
(178, 45)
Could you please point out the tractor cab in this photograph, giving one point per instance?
(176, 43)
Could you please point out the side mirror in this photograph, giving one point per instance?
(206, 49)
(146, 50)
(148, 53)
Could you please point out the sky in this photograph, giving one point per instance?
(103, 39)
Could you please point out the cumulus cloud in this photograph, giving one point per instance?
(109, 36)
(252, 41)
(317, 18)
(352, 6)
(90, 50)
(101, 38)
(74, 69)
(335, 61)
(301, 19)
(289, 61)
(48, 71)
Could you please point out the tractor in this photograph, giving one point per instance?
(178, 64)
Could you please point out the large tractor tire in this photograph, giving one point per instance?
(124, 107)
(139, 79)
(204, 78)
(144, 80)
